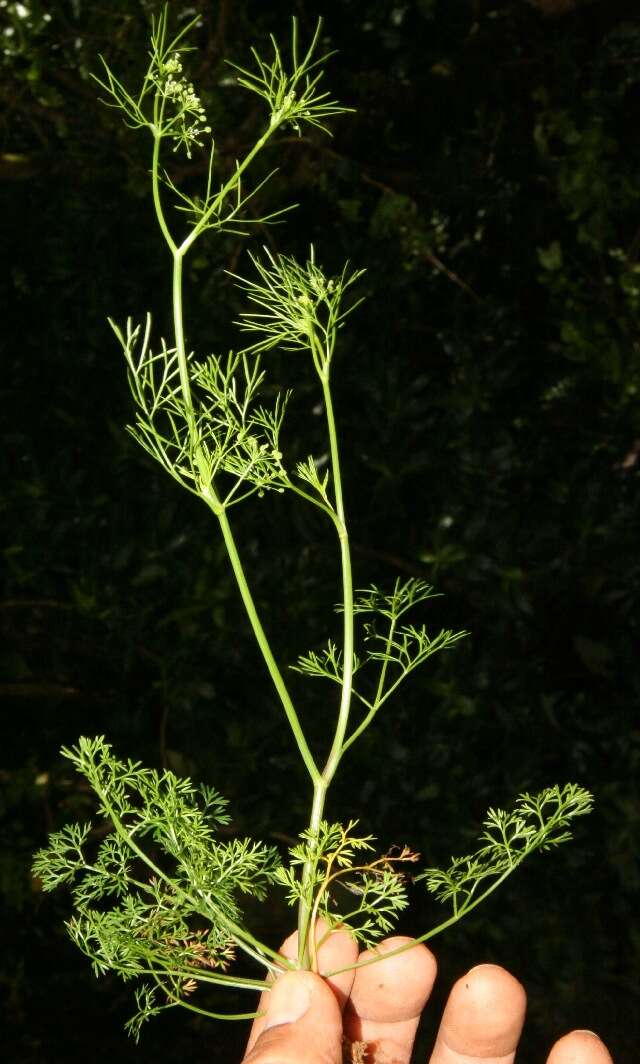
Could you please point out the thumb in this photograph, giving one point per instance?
(303, 1024)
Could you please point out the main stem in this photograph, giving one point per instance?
(322, 784)
(347, 590)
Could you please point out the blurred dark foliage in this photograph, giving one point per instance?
(489, 398)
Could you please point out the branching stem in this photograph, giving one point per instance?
(209, 493)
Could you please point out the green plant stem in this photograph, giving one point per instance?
(155, 181)
(185, 384)
(347, 590)
(265, 648)
(308, 876)
(228, 187)
(379, 699)
(337, 747)
(177, 253)
(232, 981)
(314, 500)
(195, 1008)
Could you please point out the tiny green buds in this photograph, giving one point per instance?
(185, 127)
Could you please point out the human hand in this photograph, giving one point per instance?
(374, 1012)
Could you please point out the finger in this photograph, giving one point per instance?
(337, 949)
(387, 1000)
(303, 1023)
(482, 1019)
(580, 1047)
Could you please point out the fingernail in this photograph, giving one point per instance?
(288, 1001)
(583, 1030)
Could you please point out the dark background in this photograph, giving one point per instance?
(488, 399)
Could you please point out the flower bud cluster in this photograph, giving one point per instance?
(181, 93)
(172, 65)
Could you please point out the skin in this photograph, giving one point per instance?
(380, 1005)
